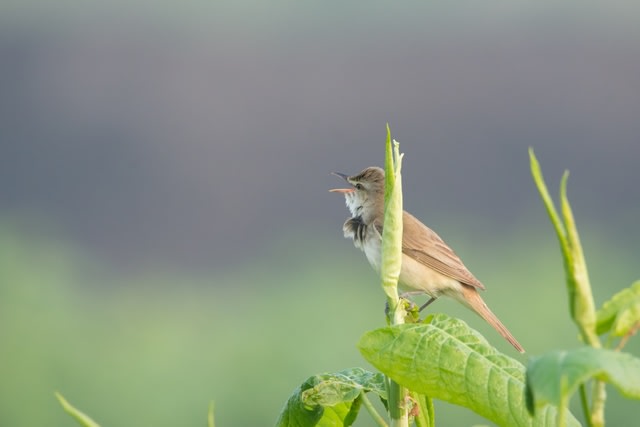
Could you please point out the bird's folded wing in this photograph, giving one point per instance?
(429, 249)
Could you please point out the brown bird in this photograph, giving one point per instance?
(429, 266)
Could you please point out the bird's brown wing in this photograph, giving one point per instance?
(429, 249)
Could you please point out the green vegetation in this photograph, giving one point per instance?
(82, 418)
(443, 358)
(154, 349)
(554, 377)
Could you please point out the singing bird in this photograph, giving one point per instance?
(429, 265)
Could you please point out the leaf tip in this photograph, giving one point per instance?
(565, 177)
(61, 398)
(534, 165)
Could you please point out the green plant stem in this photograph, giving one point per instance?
(583, 305)
(425, 416)
(372, 410)
(563, 407)
(585, 405)
(398, 394)
(397, 406)
(391, 265)
(597, 409)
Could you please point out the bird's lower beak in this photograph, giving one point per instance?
(342, 190)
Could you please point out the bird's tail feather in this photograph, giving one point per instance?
(473, 300)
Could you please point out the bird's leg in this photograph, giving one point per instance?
(423, 306)
(406, 295)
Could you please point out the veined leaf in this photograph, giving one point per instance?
(330, 399)
(447, 360)
(621, 313)
(554, 377)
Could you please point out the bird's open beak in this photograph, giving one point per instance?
(340, 175)
(342, 190)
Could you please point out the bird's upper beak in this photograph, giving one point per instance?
(340, 175)
(342, 190)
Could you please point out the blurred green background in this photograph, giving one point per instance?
(166, 237)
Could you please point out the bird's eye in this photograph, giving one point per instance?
(359, 186)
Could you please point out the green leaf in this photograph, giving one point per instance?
(554, 377)
(80, 417)
(565, 247)
(581, 305)
(210, 415)
(584, 311)
(392, 231)
(351, 416)
(536, 173)
(330, 399)
(621, 313)
(389, 178)
(447, 360)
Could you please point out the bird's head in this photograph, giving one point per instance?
(365, 197)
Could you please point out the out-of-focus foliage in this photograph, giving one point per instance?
(555, 376)
(331, 399)
(82, 419)
(621, 313)
(154, 349)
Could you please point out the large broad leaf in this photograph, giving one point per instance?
(447, 360)
(621, 313)
(330, 399)
(555, 376)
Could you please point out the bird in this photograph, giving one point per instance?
(429, 265)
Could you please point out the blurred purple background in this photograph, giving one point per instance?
(195, 133)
